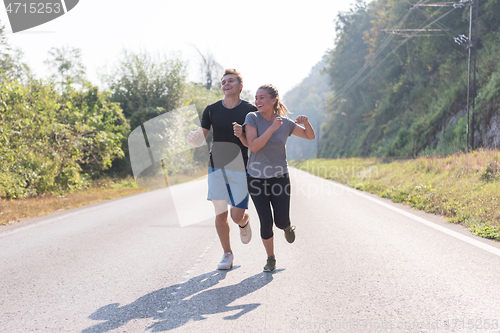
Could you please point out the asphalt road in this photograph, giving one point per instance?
(359, 263)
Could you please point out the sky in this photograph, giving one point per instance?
(275, 42)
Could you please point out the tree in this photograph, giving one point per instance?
(210, 69)
(146, 86)
(67, 62)
(97, 127)
(11, 65)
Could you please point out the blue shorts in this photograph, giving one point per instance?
(228, 185)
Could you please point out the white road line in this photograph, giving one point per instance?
(428, 223)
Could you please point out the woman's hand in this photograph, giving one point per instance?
(301, 120)
(238, 132)
(277, 122)
(306, 132)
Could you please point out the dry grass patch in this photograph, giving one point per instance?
(465, 188)
(12, 211)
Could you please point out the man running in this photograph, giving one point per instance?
(227, 178)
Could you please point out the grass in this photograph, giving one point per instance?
(464, 188)
(12, 211)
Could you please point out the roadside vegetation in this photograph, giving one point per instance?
(64, 140)
(15, 210)
(464, 188)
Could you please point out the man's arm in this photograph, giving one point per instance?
(196, 138)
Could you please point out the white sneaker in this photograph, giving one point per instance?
(246, 233)
(227, 261)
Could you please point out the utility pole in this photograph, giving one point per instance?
(472, 48)
(469, 47)
(474, 54)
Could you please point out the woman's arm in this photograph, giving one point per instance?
(301, 132)
(256, 143)
(238, 131)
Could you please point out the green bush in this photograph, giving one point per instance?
(51, 142)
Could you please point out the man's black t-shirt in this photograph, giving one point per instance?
(221, 119)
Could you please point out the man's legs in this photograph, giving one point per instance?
(219, 187)
(240, 216)
(222, 224)
(222, 227)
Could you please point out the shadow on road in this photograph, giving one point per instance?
(174, 306)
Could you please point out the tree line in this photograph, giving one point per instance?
(62, 133)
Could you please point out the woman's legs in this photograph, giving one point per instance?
(280, 201)
(259, 191)
(267, 193)
(269, 246)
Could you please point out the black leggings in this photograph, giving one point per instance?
(269, 192)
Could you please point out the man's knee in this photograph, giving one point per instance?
(237, 214)
(221, 216)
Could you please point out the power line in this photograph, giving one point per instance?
(373, 57)
(392, 30)
(352, 82)
(461, 4)
(442, 4)
(438, 23)
(430, 35)
(402, 43)
(461, 40)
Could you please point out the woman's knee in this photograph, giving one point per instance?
(282, 223)
(266, 233)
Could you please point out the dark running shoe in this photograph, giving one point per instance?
(290, 234)
(270, 265)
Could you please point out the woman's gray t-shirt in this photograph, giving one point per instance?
(270, 160)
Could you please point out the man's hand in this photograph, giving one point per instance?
(196, 138)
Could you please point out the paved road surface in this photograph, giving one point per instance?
(359, 264)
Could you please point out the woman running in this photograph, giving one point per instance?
(268, 183)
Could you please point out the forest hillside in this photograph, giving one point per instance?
(398, 77)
